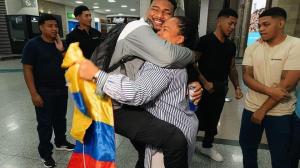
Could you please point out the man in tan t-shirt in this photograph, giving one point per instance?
(269, 70)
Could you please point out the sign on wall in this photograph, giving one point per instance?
(29, 3)
(70, 15)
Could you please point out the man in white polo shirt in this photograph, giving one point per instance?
(269, 70)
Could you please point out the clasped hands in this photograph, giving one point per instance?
(276, 93)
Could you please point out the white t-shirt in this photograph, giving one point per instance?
(268, 64)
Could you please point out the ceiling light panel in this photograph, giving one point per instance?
(129, 7)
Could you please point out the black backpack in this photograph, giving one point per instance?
(103, 53)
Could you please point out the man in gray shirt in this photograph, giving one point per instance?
(139, 39)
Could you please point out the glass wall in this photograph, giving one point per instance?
(258, 6)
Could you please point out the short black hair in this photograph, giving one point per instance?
(189, 32)
(274, 12)
(43, 18)
(79, 9)
(227, 12)
(173, 2)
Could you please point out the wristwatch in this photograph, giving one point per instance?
(95, 77)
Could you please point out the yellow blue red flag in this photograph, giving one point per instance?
(93, 124)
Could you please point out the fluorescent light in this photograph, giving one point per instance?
(95, 7)
(107, 10)
(124, 6)
(79, 2)
(120, 14)
(111, 1)
(132, 9)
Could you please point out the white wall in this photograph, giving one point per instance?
(16, 7)
(144, 5)
(202, 27)
(97, 15)
(292, 8)
(13, 6)
(180, 8)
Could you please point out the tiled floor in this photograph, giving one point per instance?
(18, 135)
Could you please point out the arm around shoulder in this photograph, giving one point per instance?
(144, 43)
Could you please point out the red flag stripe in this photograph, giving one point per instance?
(77, 161)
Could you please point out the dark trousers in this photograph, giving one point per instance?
(295, 148)
(143, 128)
(209, 111)
(52, 116)
(278, 132)
(140, 148)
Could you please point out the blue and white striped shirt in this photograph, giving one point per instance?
(162, 92)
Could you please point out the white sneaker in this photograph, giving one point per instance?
(212, 153)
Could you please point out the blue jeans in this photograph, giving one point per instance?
(278, 132)
(295, 148)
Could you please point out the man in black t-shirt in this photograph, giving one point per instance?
(42, 57)
(215, 65)
(88, 37)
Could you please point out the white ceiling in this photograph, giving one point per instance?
(104, 5)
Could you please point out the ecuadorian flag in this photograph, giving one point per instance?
(93, 124)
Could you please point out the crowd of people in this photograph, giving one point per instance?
(150, 94)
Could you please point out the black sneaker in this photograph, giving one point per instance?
(67, 146)
(49, 162)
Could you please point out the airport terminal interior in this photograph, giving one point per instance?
(18, 125)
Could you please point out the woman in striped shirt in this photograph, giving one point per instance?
(174, 109)
(162, 92)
